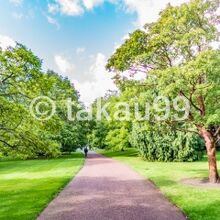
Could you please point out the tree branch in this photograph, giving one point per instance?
(190, 100)
(6, 143)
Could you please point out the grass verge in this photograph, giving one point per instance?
(26, 187)
(198, 203)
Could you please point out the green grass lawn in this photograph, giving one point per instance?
(198, 203)
(26, 187)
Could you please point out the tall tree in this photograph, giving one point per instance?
(22, 80)
(178, 57)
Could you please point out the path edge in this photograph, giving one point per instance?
(65, 185)
(151, 182)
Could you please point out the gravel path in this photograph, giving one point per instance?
(106, 189)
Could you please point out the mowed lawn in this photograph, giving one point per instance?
(198, 203)
(26, 187)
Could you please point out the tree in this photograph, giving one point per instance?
(97, 137)
(72, 134)
(177, 56)
(22, 80)
(107, 133)
(118, 138)
(72, 137)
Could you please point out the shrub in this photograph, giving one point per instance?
(162, 145)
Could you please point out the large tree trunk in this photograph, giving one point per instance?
(213, 171)
(210, 144)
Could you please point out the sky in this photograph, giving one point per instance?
(76, 37)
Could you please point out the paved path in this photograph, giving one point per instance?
(108, 190)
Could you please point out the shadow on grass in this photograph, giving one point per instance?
(126, 153)
(205, 157)
(73, 155)
(163, 181)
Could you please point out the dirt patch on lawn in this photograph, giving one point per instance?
(200, 183)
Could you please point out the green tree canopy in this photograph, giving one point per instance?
(177, 56)
(21, 81)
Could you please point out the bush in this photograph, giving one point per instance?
(117, 139)
(158, 145)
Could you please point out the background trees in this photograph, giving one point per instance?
(154, 141)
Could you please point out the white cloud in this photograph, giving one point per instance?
(16, 2)
(64, 66)
(6, 42)
(80, 50)
(148, 10)
(215, 45)
(89, 91)
(53, 22)
(141, 7)
(138, 76)
(53, 8)
(66, 7)
(73, 7)
(70, 7)
(90, 4)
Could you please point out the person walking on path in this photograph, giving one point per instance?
(86, 151)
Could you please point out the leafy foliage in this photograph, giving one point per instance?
(118, 138)
(162, 145)
(22, 80)
(97, 138)
(179, 59)
(72, 136)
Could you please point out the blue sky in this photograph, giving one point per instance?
(75, 37)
